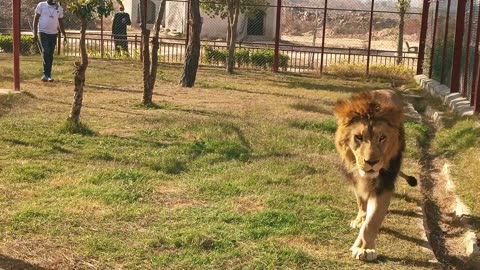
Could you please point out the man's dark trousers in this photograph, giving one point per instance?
(48, 42)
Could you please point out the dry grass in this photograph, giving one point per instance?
(239, 172)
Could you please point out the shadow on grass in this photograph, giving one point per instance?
(11, 263)
(407, 213)
(410, 262)
(407, 198)
(408, 238)
(306, 107)
(292, 83)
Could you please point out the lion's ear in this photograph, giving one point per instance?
(344, 112)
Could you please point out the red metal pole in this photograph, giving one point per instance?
(16, 44)
(434, 36)
(277, 37)
(475, 96)
(445, 43)
(323, 33)
(423, 36)
(370, 38)
(457, 49)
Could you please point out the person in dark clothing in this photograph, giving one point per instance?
(119, 29)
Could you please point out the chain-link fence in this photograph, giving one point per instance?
(448, 39)
(314, 35)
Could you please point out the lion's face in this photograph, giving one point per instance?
(371, 146)
(370, 131)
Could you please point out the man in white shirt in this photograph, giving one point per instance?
(48, 19)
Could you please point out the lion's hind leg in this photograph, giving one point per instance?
(364, 246)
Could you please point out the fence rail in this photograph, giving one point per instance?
(301, 58)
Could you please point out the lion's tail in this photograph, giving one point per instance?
(412, 181)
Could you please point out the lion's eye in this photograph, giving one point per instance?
(359, 138)
(382, 138)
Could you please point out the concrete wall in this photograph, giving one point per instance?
(213, 28)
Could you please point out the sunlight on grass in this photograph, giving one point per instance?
(239, 172)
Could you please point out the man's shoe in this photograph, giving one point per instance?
(44, 78)
(50, 79)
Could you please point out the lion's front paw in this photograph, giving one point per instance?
(357, 223)
(364, 254)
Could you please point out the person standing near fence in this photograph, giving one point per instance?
(48, 19)
(119, 29)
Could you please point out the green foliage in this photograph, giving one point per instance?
(76, 128)
(454, 140)
(90, 9)
(218, 8)
(27, 45)
(260, 58)
(403, 5)
(215, 55)
(243, 57)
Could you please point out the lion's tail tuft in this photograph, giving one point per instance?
(412, 181)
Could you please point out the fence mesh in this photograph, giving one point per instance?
(314, 34)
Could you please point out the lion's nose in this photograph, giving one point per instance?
(372, 162)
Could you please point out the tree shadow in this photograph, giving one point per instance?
(407, 213)
(9, 263)
(408, 238)
(410, 262)
(407, 198)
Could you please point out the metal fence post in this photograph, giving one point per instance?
(277, 37)
(445, 40)
(101, 37)
(476, 88)
(457, 49)
(16, 44)
(475, 96)
(423, 36)
(323, 34)
(467, 57)
(434, 36)
(370, 37)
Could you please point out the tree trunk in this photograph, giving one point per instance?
(233, 13)
(79, 77)
(400, 37)
(147, 90)
(193, 49)
(155, 47)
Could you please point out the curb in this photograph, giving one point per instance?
(454, 101)
(471, 241)
(8, 92)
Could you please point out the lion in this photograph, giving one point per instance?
(370, 140)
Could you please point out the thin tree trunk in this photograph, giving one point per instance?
(234, 11)
(192, 54)
(147, 90)
(400, 37)
(79, 77)
(155, 47)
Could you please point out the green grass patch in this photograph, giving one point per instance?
(451, 141)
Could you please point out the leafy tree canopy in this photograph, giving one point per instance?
(91, 9)
(218, 8)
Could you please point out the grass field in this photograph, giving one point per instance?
(240, 172)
